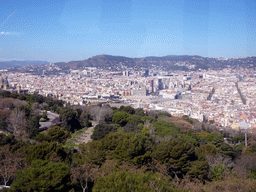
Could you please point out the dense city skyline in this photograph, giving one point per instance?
(76, 30)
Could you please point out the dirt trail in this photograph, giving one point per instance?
(85, 137)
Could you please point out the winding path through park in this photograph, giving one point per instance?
(85, 137)
(46, 125)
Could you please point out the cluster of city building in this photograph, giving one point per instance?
(202, 94)
(4, 85)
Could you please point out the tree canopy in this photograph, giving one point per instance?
(101, 130)
(43, 176)
(126, 181)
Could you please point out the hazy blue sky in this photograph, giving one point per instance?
(65, 30)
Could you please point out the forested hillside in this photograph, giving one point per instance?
(131, 150)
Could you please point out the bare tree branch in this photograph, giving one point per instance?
(84, 173)
(17, 122)
(100, 113)
(9, 164)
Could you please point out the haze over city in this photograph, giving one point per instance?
(127, 95)
(65, 30)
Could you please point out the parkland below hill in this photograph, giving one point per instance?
(130, 150)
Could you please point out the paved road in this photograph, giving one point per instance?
(51, 116)
(3, 186)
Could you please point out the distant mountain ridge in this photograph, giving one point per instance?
(109, 61)
(169, 62)
(164, 63)
(15, 63)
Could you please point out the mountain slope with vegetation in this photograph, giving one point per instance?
(120, 63)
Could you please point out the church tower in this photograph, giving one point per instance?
(1, 82)
(6, 83)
